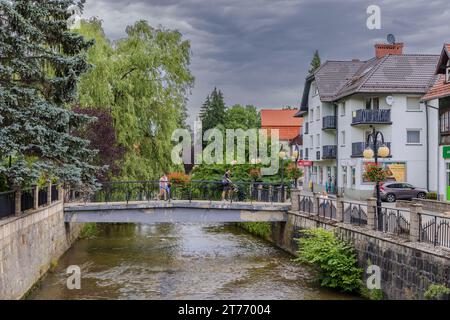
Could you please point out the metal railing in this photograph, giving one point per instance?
(354, 213)
(126, 191)
(27, 199)
(394, 221)
(329, 122)
(359, 147)
(326, 208)
(329, 152)
(42, 196)
(365, 116)
(434, 229)
(306, 203)
(7, 204)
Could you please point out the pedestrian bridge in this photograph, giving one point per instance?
(175, 211)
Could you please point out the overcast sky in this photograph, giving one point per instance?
(258, 51)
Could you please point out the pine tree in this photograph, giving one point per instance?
(213, 110)
(315, 63)
(41, 62)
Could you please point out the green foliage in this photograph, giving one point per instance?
(315, 63)
(213, 111)
(89, 230)
(437, 292)
(143, 81)
(240, 117)
(335, 259)
(374, 294)
(260, 229)
(431, 195)
(41, 62)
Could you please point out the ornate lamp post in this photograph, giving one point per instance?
(376, 139)
(282, 155)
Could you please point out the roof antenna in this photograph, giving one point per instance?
(391, 38)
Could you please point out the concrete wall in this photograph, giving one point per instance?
(29, 245)
(407, 268)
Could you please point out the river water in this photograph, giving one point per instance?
(180, 261)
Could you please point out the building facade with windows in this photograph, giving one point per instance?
(342, 100)
(437, 101)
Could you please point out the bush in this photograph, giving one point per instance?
(335, 259)
(437, 292)
(89, 230)
(431, 196)
(260, 229)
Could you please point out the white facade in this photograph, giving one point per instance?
(406, 132)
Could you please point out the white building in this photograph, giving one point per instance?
(437, 101)
(343, 99)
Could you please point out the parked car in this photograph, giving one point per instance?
(391, 191)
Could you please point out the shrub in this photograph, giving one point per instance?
(431, 196)
(437, 292)
(260, 229)
(335, 259)
(375, 173)
(89, 230)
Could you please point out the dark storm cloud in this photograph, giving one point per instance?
(258, 51)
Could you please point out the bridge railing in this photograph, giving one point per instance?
(126, 191)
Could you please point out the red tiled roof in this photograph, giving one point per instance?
(279, 118)
(283, 120)
(440, 89)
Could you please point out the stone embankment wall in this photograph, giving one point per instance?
(29, 245)
(408, 267)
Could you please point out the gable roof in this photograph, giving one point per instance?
(445, 56)
(439, 89)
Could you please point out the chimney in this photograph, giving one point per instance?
(383, 49)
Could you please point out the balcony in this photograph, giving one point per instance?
(329, 122)
(358, 149)
(329, 152)
(365, 116)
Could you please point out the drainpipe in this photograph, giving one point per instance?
(336, 175)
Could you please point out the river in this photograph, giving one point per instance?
(180, 261)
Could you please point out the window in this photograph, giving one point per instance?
(315, 89)
(306, 154)
(413, 136)
(353, 176)
(343, 109)
(312, 115)
(412, 104)
(447, 75)
(343, 138)
(372, 103)
(319, 181)
(445, 122)
(318, 113)
(318, 140)
(312, 140)
(344, 176)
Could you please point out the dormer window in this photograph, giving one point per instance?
(447, 72)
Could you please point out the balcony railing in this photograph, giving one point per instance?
(358, 148)
(329, 122)
(365, 116)
(329, 152)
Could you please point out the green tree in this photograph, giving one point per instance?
(143, 80)
(213, 111)
(315, 63)
(41, 62)
(240, 117)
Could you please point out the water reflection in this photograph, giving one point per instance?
(180, 261)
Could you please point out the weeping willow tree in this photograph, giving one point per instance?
(143, 80)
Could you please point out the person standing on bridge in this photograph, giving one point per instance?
(164, 189)
(226, 184)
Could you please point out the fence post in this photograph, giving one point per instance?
(295, 194)
(316, 203)
(259, 191)
(339, 209)
(18, 202)
(371, 216)
(414, 218)
(36, 197)
(49, 193)
(61, 193)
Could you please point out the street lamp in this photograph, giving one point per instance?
(282, 155)
(376, 139)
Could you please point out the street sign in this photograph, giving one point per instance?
(446, 152)
(304, 163)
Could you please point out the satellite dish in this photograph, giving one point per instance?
(391, 38)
